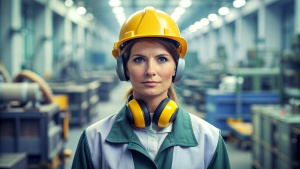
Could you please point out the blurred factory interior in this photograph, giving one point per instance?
(57, 75)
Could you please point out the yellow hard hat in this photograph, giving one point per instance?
(150, 23)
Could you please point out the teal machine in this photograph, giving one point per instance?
(276, 128)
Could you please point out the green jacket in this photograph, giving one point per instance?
(111, 143)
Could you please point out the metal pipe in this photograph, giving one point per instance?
(22, 92)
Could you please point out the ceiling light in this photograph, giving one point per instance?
(118, 10)
(192, 28)
(121, 20)
(185, 3)
(81, 10)
(198, 25)
(223, 11)
(175, 16)
(69, 3)
(114, 3)
(185, 32)
(120, 17)
(212, 17)
(179, 10)
(239, 3)
(204, 22)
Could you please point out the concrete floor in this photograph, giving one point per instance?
(239, 159)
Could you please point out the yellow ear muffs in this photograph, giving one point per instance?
(138, 113)
(165, 113)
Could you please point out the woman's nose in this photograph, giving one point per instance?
(150, 69)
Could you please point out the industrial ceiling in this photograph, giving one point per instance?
(190, 10)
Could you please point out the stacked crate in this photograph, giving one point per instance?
(108, 80)
(276, 138)
(77, 99)
(92, 96)
(107, 84)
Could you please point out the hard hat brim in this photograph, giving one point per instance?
(181, 50)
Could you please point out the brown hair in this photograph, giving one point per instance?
(171, 49)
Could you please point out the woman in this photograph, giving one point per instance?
(151, 130)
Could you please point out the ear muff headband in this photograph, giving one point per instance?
(166, 116)
(137, 113)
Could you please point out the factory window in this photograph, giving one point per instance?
(58, 42)
(56, 27)
(28, 32)
(74, 40)
(288, 19)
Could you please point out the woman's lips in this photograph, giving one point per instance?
(150, 83)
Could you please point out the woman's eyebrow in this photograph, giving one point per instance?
(140, 55)
(160, 55)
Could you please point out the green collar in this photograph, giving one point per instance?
(182, 133)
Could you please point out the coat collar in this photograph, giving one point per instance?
(182, 132)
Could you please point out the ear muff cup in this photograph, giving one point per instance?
(139, 115)
(179, 69)
(165, 113)
(121, 68)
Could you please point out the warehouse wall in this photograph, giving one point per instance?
(11, 35)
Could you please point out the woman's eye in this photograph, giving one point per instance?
(162, 59)
(138, 60)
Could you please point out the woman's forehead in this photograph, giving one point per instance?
(148, 43)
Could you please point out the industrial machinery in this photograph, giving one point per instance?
(222, 106)
(276, 137)
(276, 128)
(31, 123)
(13, 161)
(290, 72)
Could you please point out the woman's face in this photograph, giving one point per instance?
(150, 68)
